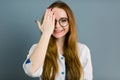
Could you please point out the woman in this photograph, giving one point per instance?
(58, 55)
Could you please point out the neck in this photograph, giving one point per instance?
(60, 43)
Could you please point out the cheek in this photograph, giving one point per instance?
(67, 29)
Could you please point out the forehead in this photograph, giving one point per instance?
(59, 13)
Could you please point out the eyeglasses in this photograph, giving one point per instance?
(63, 22)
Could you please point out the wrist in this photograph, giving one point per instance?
(46, 34)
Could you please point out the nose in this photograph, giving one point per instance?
(57, 25)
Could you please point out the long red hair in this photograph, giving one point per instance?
(74, 68)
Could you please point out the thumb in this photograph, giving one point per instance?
(39, 24)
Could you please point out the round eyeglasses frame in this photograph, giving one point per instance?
(63, 24)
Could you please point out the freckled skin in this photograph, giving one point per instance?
(59, 31)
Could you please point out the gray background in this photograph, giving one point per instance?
(98, 25)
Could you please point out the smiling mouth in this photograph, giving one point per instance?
(58, 31)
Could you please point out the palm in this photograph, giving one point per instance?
(48, 22)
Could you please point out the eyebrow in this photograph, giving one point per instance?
(62, 17)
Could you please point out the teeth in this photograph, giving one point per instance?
(58, 31)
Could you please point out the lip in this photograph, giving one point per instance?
(58, 31)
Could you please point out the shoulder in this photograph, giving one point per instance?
(83, 53)
(85, 59)
(33, 46)
(82, 48)
(32, 49)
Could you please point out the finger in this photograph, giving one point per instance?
(45, 15)
(48, 16)
(39, 24)
(53, 20)
(52, 17)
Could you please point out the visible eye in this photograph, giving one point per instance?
(63, 20)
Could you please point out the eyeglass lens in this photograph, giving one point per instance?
(63, 22)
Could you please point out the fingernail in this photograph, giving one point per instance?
(51, 9)
(48, 7)
(35, 21)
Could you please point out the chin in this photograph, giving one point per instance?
(58, 36)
